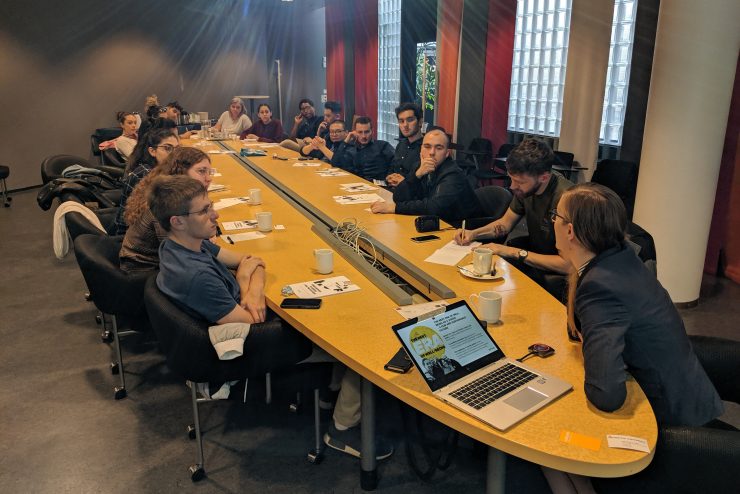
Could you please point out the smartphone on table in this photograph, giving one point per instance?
(300, 303)
(424, 238)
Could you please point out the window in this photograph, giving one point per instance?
(538, 69)
(618, 74)
(389, 68)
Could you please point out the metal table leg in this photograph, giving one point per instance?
(368, 463)
(496, 472)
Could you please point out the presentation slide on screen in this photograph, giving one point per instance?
(446, 342)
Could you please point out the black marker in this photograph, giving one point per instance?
(228, 239)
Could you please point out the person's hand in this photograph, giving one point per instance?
(394, 179)
(380, 207)
(186, 135)
(254, 302)
(322, 127)
(464, 237)
(298, 118)
(252, 136)
(247, 266)
(502, 250)
(426, 167)
(351, 137)
(318, 143)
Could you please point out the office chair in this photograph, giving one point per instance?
(621, 177)
(111, 157)
(644, 240)
(102, 135)
(53, 166)
(5, 173)
(694, 459)
(114, 292)
(494, 202)
(504, 150)
(190, 354)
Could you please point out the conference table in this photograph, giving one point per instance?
(355, 327)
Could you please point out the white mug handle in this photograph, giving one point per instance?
(473, 300)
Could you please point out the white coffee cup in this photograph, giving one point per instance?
(482, 258)
(255, 196)
(324, 260)
(488, 305)
(264, 222)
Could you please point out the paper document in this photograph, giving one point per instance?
(221, 151)
(323, 287)
(238, 237)
(416, 310)
(379, 182)
(306, 163)
(239, 225)
(451, 254)
(230, 201)
(216, 187)
(627, 442)
(357, 187)
(358, 199)
(332, 172)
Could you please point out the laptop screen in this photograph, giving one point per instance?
(448, 346)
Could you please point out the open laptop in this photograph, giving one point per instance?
(464, 367)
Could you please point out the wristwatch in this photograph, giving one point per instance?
(523, 255)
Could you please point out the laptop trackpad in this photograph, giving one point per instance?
(525, 399)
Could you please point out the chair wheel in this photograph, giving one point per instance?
(114, 368)
(119, 393)
(196, 473)
(106, 336)
(295, 407)
(89, 298)
(191, 431)
(314, 457)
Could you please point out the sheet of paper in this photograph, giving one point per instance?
(451, 254)
(216, 187)
(221, 151)
(358, 199)
(332, 172)
(239, 225)
(230, 201)
(409, 311)
(306, 163)
(357, 187)
(278, 227)
(239, 237)
(268, 145)
(379, 182)
(627, 442)
(323, 287)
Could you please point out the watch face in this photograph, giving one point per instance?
(523, 254)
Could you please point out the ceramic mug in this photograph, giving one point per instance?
(482, 259)
(255, 196)
(487, 305)
(324, 260)
(264, 222)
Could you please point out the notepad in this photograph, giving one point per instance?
(451, 254)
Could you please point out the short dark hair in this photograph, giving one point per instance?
(364, 121)
(175, 104)
(339, 121)
(264, 104)
(409, 106)
(305, 100)
(121, 115)
(170, 195)
(334, 106)
(532, 157)
(437, 128)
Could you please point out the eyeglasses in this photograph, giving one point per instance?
(205, 171)
(168, 148)
(306, 107)
(554, 214)
(206, 210)
(336, 132)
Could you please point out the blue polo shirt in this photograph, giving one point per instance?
(198, 282)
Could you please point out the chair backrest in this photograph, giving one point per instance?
(647, 253)
(494, 200)
(113, 158)
(481, 145)
(504, 150)
(621, 177)
(53, 166)
(564, 158)
(102, 135)
(112, 291)
(720, 358)
(78, 225)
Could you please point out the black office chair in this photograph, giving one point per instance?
(644, 240)
(111, 157)
(5, 173)
(621, 177)
(694, 459)
(102, 135)
(53, 166)
(190, 354)
(494, 202)
(114, 292)
(504, 150)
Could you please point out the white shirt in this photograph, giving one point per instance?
(234, 126)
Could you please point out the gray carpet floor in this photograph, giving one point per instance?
(64, 432)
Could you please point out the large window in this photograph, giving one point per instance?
(389, 68)
(539, 64)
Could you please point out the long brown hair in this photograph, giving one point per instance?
(599, 221)
(180, 160)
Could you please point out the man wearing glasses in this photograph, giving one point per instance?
(305, 126)
(321, 149)
(537, 190)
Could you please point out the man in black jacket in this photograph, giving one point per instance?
(361, 155)
(438, 187)
(408, 150)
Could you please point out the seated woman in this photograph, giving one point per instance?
(139, 251)
(266, 129)
(624, 316)
(235, 119)
(154, 111)
(126, 142)
(151, 151)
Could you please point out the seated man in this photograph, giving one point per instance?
(194, 272)
(537, 190)
(437, 187)
(305, 126)
(320, 148)
(361, 155)
(408, 151)
(332, 112)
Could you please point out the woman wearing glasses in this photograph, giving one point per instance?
(139, 251)
(266, 129)
(150, 152)
(235, 119)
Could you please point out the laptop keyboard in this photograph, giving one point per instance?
(493, 386)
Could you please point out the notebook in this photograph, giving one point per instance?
(464, 367)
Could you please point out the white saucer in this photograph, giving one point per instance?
(468, 272)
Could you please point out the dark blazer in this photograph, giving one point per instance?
(629, 324)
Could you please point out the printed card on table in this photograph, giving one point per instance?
(332, 172)
(323, 287)
(358, 199)
(357, 187)
(239, 225)
(306, 163)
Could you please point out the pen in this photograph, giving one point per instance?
(462, 237)
(228, 239)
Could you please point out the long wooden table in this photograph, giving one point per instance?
(364, 342)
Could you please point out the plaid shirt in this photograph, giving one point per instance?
(129, 183)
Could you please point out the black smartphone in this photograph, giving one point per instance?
(400, 362)
(300, 303)
(424, 238)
